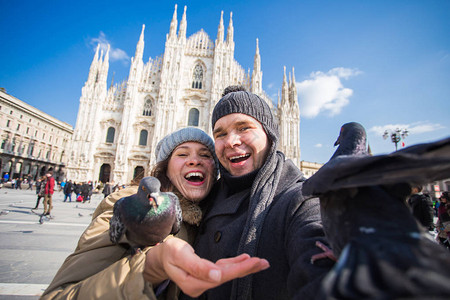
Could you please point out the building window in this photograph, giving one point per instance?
(193, 117)
(28, 130)
(3, 144)
(7, 123)
(18, 126)
(31, 149)
(143, 138)
(110, 135)
(197, 77)
(147, 108)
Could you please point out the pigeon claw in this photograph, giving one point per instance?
(327, 253)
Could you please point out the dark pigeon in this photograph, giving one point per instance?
(351, 141)
(147, 217)
(384, 253)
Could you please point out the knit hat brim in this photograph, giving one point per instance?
(249, 104)
(168, 143)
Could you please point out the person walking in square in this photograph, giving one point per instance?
(49, 190)
(68, 189)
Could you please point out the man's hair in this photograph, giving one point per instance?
(418, 187)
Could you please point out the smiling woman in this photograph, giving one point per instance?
(191, 170)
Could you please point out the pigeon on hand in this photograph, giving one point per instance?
(147, 217)
(383, 252)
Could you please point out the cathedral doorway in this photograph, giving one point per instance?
(105, 172)
(138, 173)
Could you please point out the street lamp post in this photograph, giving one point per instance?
(396, 136)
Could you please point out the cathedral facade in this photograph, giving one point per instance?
(118, 127)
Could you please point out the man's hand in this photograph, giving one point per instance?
(175, 259)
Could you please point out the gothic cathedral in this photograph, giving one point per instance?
(118, 127)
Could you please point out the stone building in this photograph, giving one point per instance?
(118, 127)
(31, 140)
(309, 168)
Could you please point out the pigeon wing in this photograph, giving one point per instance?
(415, 165)
(178, 213)
(116, 226)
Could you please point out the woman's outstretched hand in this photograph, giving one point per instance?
(176, 260)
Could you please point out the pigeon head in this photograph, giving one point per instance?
(149, 192)
(351, 141)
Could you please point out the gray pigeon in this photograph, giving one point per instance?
(383, 252)
(146, 217)
(352, 140)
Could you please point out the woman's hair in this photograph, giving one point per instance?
(160, 171)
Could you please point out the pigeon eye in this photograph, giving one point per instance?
(144, 189)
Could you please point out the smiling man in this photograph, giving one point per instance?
(258, 208)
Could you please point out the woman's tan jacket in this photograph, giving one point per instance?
(99, 269)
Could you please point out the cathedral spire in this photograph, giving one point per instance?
(230, 30)
(183, 25)
(173, 24)
(284, 88)
(105, 67)
(93, 70)
(257, 59)
(293, 90)
(257, 74)
(140, 46)
(220, 31)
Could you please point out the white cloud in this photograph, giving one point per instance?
(115, 54)
(414, 128)
(318, 145)
(324, 92)
(270, 85)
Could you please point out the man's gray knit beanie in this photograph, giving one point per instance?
(168, 143)
(249, 104)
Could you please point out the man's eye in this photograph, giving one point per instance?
(244, 128)
(219, 135)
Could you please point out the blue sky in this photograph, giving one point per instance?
(385, 64)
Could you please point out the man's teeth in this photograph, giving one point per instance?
(194, 174)
(239, 156)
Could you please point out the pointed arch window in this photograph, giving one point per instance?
(148, 106)
(110, 135)
(143, 138)
(197, 77)
(193, 117)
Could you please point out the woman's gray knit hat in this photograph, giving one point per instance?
(168, 143)
(249, 104)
